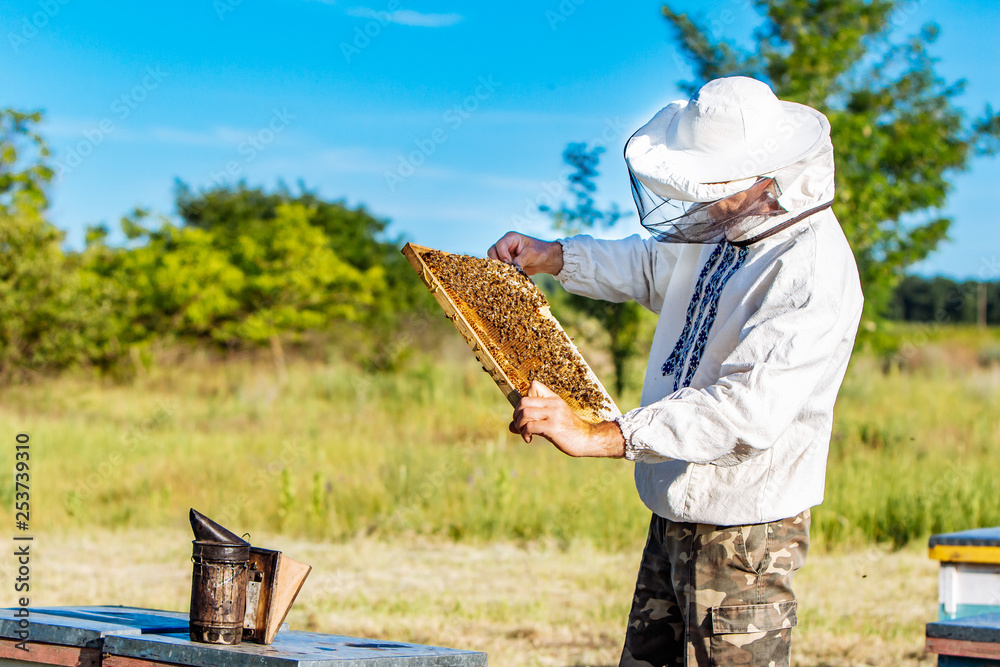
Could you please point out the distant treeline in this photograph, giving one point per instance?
(945, 301)
(241, 268)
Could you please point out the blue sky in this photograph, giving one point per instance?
(447, 117)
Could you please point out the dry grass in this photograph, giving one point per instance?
(525, 604)
(425, 521)
(338, 452)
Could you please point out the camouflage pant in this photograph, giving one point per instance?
(716, 595)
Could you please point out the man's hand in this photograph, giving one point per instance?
(544, 413)
(531, 254)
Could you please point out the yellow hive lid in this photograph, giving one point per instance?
(980, 545)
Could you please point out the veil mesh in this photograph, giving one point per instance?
(675, 221)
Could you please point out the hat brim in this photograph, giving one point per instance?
(651, 155)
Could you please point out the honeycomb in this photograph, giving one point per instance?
(506, 321)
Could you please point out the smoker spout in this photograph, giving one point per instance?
(206, 530)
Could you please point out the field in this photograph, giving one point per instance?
(526, 604)
(402, 488)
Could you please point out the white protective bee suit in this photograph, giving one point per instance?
(749, 352)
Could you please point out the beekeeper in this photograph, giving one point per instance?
(759, 303)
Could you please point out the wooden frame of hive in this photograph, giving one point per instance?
(506, 377)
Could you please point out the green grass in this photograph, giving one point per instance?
(913, 453)
(339, 452)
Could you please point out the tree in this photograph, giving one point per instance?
(355, 235)
(621, 320)
(247, 284)
(395, 301)
(47, 318)
(944, 301)
(898, 136)
(244, 266)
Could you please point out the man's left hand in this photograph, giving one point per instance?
(544, 413)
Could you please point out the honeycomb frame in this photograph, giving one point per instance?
(511, 380)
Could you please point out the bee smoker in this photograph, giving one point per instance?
(238, 591)
(218, 583)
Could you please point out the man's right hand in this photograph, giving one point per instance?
(531, 254)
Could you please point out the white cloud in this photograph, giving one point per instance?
(356, 160)
(408, 17)
(73, 130)
(218, 136)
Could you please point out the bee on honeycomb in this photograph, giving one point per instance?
(511, 317)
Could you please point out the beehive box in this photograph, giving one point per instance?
(506, 321)
(969, 579)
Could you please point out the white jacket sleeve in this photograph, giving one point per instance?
(796, 344)
(630, 269)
